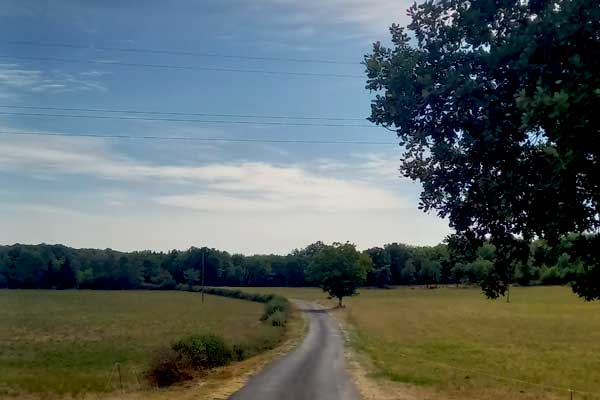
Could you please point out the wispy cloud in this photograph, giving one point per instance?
(17, 78)
(265, 187)
(365, 166)
(223, 186)
(372, 17)
(93, 73)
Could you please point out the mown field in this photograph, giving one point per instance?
(56, 343)
(454, 343)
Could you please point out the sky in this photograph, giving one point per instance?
(249, 58)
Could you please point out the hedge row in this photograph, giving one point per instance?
(237, 294)
(276, 307)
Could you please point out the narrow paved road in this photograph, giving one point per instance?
(315, 370)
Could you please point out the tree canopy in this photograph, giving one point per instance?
(339, 270)
(55, 266)
(495, 105)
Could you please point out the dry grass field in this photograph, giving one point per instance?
(452, 343)
(66, 343)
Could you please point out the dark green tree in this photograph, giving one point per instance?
(380, 275)
(191, 276)
(495, 104)
(339, 269)
(408, 274)
(399, 254)
(67, 278)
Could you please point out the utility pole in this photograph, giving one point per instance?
(202, 275)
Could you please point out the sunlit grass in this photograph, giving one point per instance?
(455, 343)
(67, 342)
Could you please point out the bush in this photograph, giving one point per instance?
(274, 305)
(204, 351)
(208, 351)
(551, 276)
(168, 367)
(278, 318)
(240, 352)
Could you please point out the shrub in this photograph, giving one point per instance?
(278, 318)
(240, 352)
(204, 351)
(274, 305)
(208, 351)
(168, 367)
(551, 276)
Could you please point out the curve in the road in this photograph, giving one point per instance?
(315, 370)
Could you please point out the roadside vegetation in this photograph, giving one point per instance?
(66, 343)
(195, 353)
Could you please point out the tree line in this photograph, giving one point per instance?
(47, 266)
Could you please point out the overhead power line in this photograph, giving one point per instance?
(204, 121)
(195, 114)
(183, 67)
(177, 52)
(194, 139)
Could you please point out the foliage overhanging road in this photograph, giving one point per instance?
(315, 370)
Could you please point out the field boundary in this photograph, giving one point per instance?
(235, 293)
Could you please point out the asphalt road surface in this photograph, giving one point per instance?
(315, 370)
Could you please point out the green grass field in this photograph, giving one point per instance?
(454, 343)
(55, 343)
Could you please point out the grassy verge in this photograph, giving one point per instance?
(66, 343)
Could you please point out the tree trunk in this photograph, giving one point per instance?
(340, 305)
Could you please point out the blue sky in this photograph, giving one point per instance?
(247, 197)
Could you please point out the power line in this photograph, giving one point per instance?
(206, 121)
(177, 52)
(199, 139)
(184, 67)
(196, 114)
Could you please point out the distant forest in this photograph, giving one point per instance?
(46, 266)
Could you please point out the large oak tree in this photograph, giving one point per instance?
(496, 104)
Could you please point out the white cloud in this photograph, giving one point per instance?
(263, 187)
(16, 78)
(232, 186)
(237, 206)
(93, 73)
